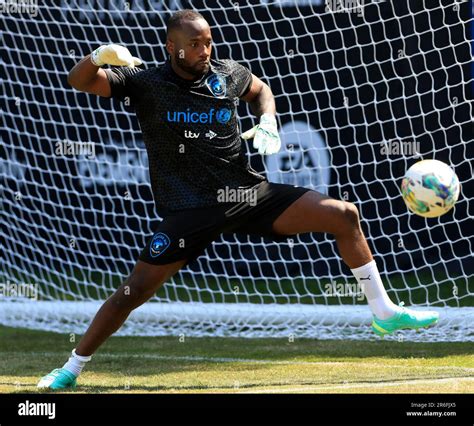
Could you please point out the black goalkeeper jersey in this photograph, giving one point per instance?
(190, 130)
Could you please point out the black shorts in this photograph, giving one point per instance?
(185, 234)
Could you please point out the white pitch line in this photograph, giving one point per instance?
(224, 360)
(284, 389)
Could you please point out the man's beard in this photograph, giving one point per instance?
(195, 70)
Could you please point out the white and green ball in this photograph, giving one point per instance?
(430, 188)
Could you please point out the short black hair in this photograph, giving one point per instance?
(186, 14)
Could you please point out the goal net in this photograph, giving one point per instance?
(363, 90)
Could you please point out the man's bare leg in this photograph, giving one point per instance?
(141, 285)
(315, 212)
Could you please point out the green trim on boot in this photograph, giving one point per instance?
(405, 319)
(59, 378)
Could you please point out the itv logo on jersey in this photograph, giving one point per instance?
(222, 116)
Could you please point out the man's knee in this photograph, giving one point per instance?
(350, 215)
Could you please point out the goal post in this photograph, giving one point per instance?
(363, 90)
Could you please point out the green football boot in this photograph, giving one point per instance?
(59, 378)
(404, 319)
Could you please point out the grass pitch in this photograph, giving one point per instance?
(168, 365)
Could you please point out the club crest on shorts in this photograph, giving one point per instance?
(216, 84)
(159, 243)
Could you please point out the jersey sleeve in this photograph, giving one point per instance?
(123, 82)
(241, 78)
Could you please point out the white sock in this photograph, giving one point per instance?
(369, 280)
(76, 363)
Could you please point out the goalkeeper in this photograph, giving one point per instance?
(186, 109)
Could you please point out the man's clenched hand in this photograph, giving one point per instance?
(113, 54)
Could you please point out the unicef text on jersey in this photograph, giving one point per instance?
(222, 116)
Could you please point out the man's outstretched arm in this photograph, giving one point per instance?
(262, 103)
(87, 76)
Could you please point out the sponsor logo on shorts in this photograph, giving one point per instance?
(159, 243)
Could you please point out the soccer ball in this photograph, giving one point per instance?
(430, 188)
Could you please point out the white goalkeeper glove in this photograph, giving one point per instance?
(265, 135)
(113, 54)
